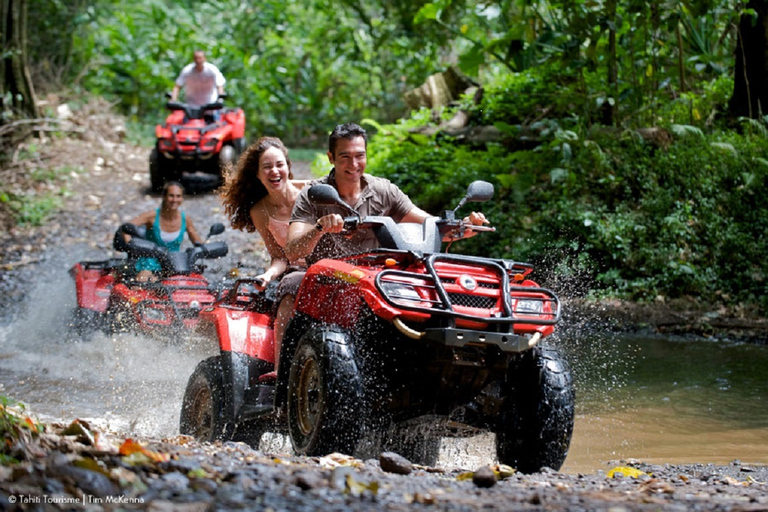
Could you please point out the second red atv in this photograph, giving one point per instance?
(392, 349)
(109, 298)
(194, 140)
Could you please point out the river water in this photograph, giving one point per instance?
(652, 399)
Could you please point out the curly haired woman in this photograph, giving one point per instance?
(259, 195)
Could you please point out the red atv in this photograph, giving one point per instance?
(193, 140)
(392, 349)
(109, 297)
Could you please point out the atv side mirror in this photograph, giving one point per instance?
(479, 191)
(326, 195)
(217, 228)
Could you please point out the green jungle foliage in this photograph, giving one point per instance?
(678, 213)
(296, 68)
(615, 163)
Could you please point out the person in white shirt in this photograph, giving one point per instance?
(202, 81)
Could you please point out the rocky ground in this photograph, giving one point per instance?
(73, 466)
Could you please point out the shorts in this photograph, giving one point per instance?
(289, 285)
(150, 264)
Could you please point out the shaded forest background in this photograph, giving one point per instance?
(626, 140)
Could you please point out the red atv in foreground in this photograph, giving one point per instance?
(109, 297)
(392, 349)
(192, 140)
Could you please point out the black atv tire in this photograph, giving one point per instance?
(536, 422)
(156, 174)
(202, 414)
(84, 322)
(118, 318)
(227, 158)
(325, 394)
(240, 145)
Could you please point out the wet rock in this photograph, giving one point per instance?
(87, 481)
(339, 477)
(392, 462)
(175, 481)
(484, 477)
(306, 480)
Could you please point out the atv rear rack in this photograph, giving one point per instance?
(490, 295)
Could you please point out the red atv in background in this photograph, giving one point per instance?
(192, 140)
(109, 297)
(392, 349)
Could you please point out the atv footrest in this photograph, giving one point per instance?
(507, 342)
(259, 400)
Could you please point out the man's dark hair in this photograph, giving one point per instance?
(346, 131)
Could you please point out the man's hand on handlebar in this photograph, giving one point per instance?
(468, 227)
(332, 223)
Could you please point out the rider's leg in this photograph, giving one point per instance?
(284, 312)
(285, 299)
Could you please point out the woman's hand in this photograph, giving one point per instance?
(261, 281)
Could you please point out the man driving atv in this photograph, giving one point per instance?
(315, 231)
(202, 81)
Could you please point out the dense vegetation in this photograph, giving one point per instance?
(614, 157)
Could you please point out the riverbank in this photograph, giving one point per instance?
(687, 318)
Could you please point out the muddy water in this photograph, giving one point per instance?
(660, 401)
(675, 401)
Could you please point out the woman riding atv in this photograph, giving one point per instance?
(259, 196)
(165, 227)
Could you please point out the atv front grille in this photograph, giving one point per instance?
(472, 301)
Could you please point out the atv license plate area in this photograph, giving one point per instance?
(506, 342)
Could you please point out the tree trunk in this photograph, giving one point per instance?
(16, 80)
(750, 89)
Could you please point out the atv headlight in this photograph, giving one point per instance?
(154, 315)
(166, 144)
(209, 144)
(529, 307)
(403, 294)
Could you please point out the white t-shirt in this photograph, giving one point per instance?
(200, 87)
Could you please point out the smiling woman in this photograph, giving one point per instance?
(259, 195)
(165, 227)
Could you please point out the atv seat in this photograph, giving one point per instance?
(194, 111)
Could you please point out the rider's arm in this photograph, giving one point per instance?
(143, 219)
(303, 237)
(175, 92)
(192, 232)
(475, 218)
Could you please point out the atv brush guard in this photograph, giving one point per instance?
(500, 303)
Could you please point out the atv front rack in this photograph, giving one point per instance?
(470, 288)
